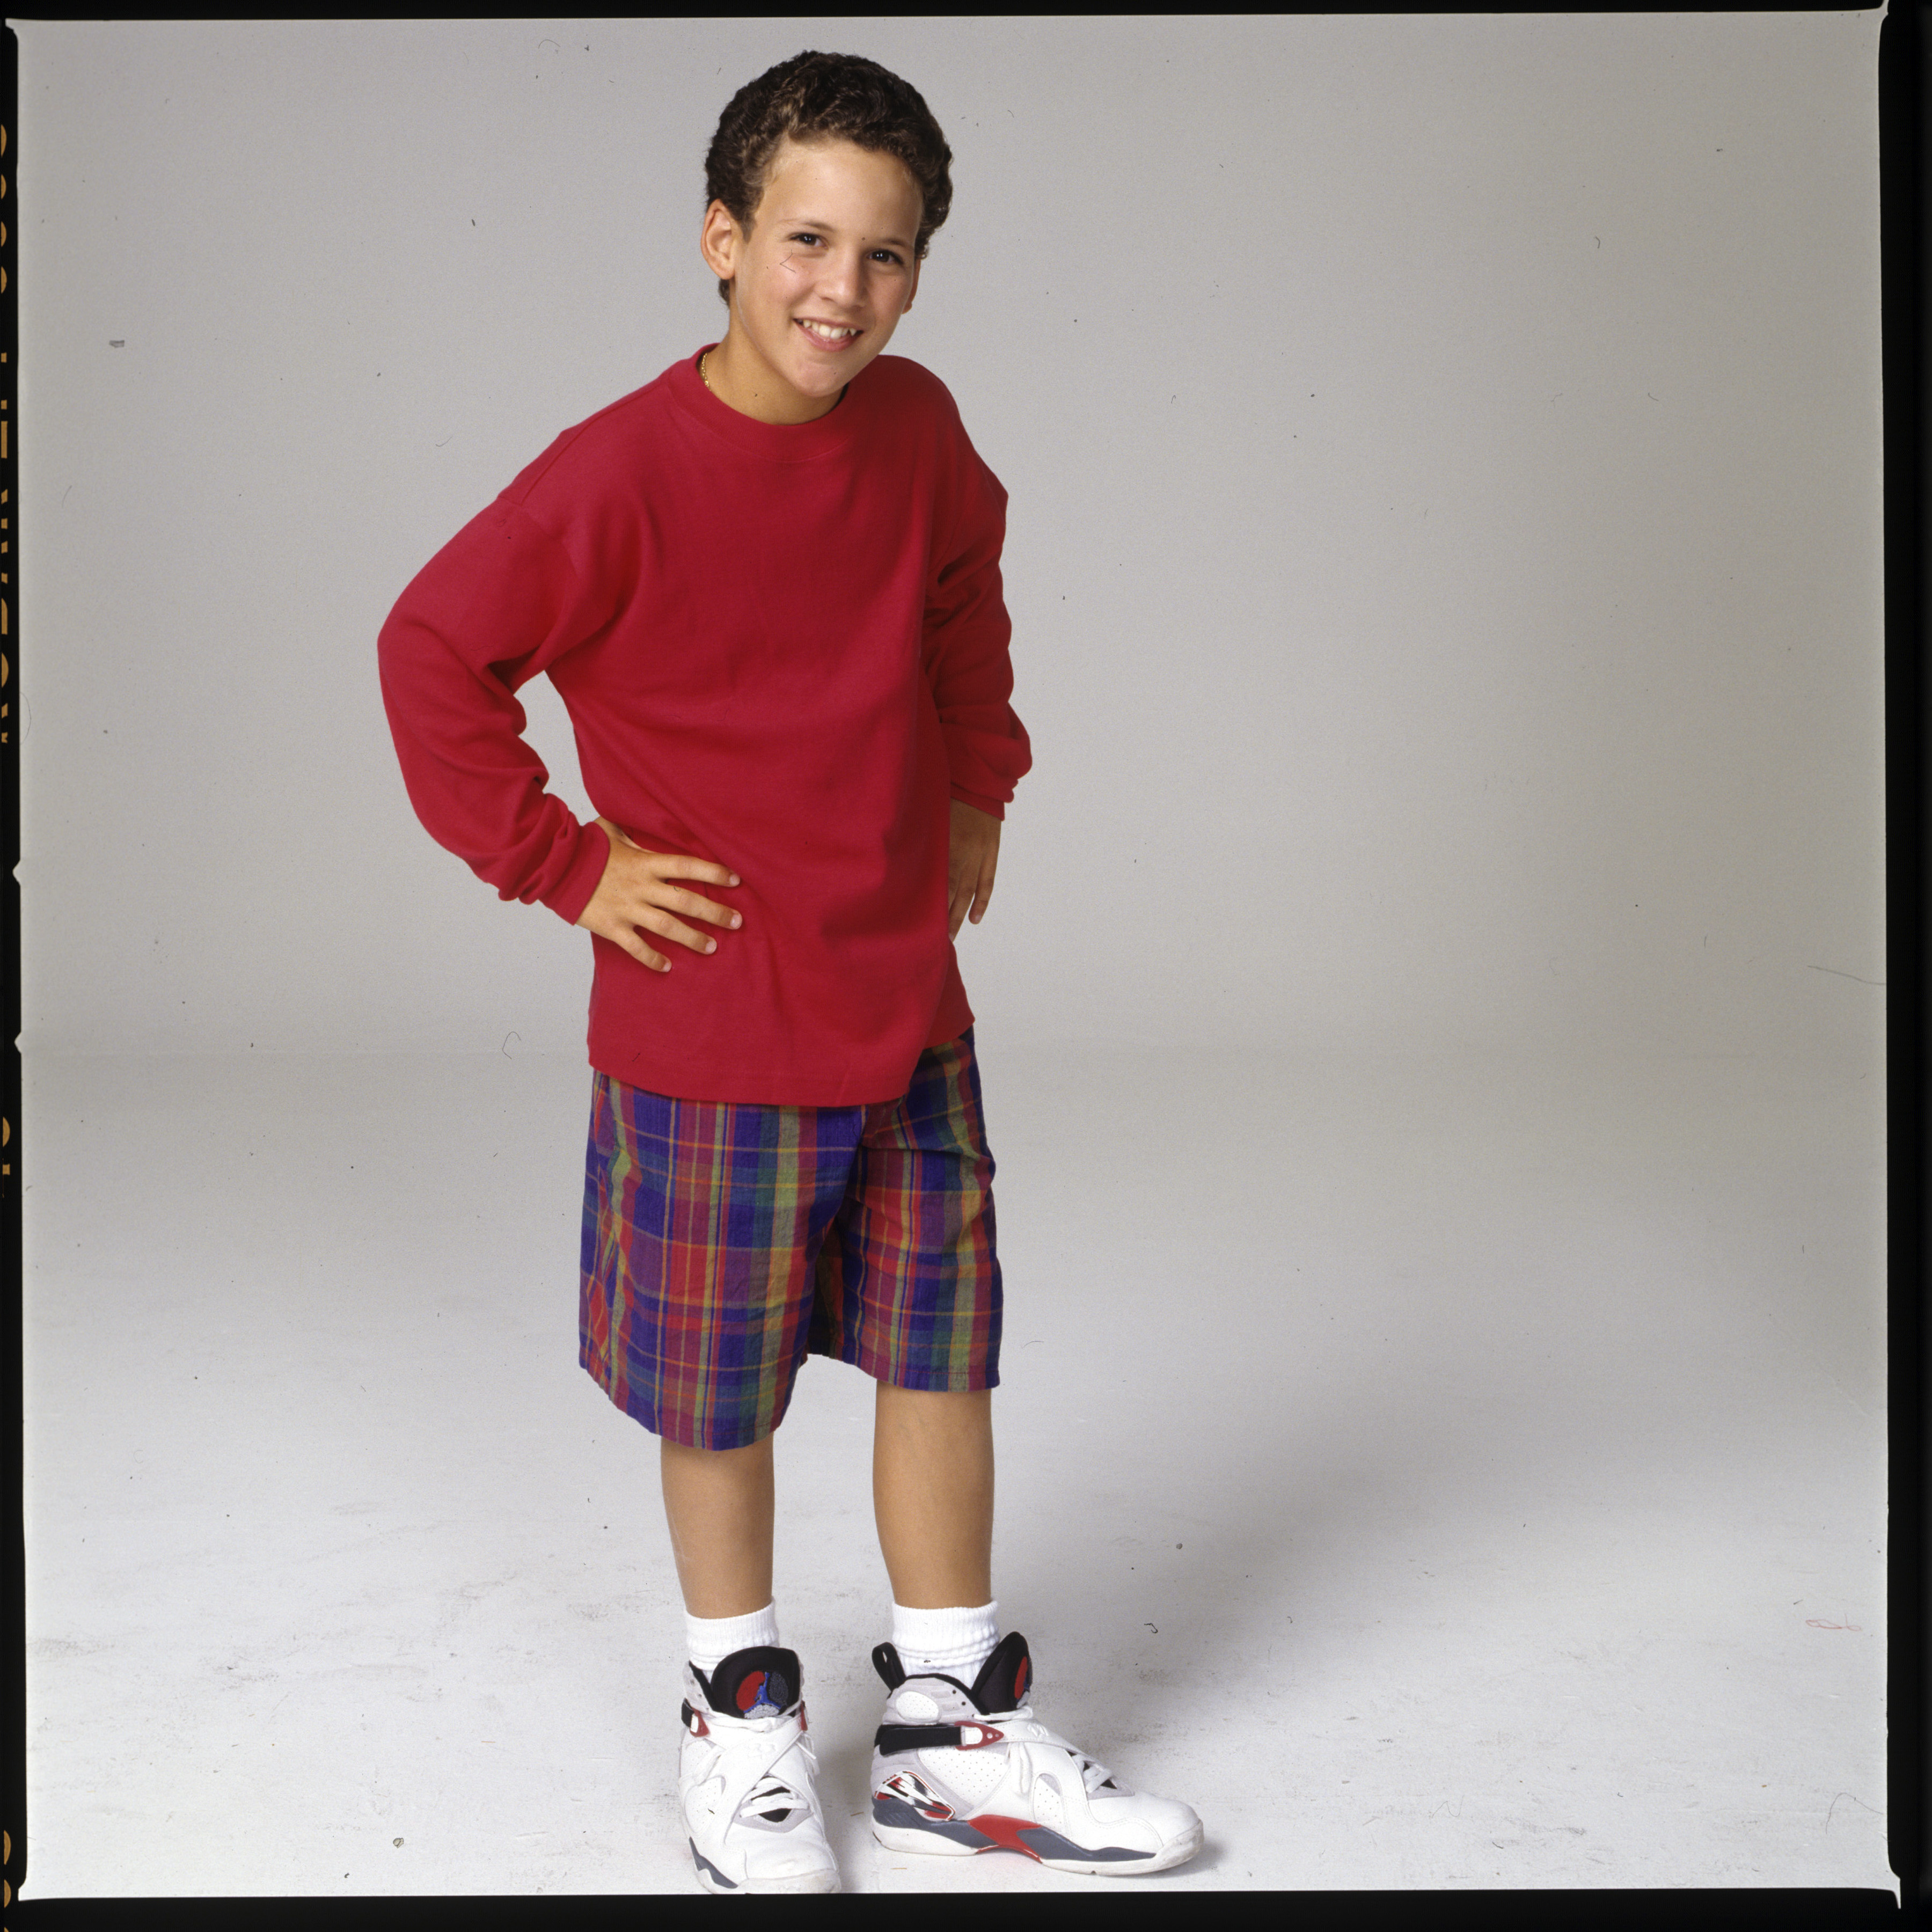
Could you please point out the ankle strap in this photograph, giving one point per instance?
(894, 1738)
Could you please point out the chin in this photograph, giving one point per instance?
(815, 379)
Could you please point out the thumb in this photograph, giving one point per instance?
(619, 834)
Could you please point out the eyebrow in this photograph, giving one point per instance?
(831, 228)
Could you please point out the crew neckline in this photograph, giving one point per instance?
(785, 442)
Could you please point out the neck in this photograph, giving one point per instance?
(743, 380)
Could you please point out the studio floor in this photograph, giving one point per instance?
(1462, 1473)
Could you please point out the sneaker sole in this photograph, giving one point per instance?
(817, 1881)
(810, 1882)
(935, 1844)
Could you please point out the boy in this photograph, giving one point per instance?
(767, 587)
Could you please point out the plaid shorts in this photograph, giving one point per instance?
(724, 1242)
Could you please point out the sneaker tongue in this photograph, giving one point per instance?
(761, 1682)
(1006, 1677)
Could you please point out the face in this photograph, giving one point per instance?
(819, 282)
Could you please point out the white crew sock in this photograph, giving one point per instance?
(708, 1641)
(952, 1642)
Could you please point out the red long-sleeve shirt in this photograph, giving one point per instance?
(783, 649)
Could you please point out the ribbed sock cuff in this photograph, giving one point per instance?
(954, 1641)
(708, 1641)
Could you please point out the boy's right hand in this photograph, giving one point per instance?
(636, 891)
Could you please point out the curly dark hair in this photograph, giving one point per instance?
(826, 97)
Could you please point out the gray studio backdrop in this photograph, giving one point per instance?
(1444, 460)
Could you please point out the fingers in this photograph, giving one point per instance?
(632, 941)
(641, 890)
(657, 908)
(666, 927)
(648, 877)
(972, 859)
(621, 930)
(673, 899)
(634, 898)
(971, 897)
(671, 864)
(968, 895)
(681, 865)
(983, 891)
(958, 899)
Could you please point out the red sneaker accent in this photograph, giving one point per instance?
(906, 1787)
(989, 1734)
(1005, 1832)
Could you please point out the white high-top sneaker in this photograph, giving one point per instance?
(957, 1770)
(747, 1778)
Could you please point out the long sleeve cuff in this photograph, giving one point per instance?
(575, 890)
(993, 807)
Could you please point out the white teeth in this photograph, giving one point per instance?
(825, 334)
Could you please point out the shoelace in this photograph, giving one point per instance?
(771, 1798)
(766, 1783)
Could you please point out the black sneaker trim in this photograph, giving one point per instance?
(1006, 1678)
(892, 1739)
(1002, 1684)
(781, 1667)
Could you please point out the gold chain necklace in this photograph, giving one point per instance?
(706, 380)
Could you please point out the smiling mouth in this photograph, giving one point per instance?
(828, 335)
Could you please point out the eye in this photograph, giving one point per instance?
(804, 235)
(889, 255)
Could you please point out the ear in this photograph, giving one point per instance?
(720, 241)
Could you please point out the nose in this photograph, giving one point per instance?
(842, 278)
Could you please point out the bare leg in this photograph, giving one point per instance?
(719, 1503)
(932, 1492)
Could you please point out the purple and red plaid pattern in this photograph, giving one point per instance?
(724, 1242)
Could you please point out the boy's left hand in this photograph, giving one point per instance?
(973, 858)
